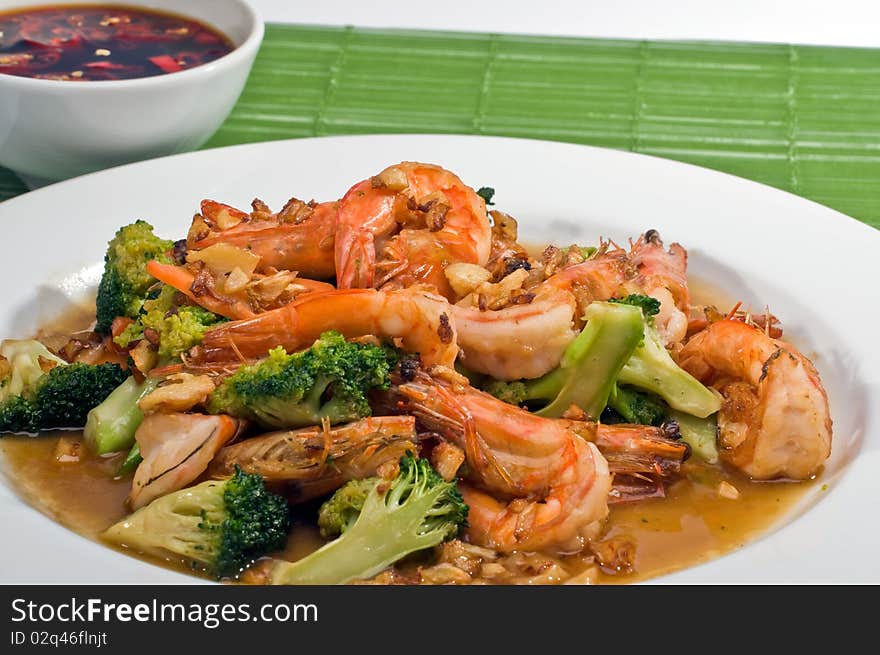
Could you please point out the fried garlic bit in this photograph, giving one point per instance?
(180, 393)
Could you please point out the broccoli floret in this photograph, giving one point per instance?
(638, 407)
(651, 368)
(486, 193)
(110, 426)
(343, 508)
(585, 376)
(221, 526)
(329, 381)
(647, 409)
(613, 347)
(179, 328)
(125, 281)
(416, 510)
(17, 415)
(40, 391)
(649, 306)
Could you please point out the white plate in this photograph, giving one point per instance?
(815, 267)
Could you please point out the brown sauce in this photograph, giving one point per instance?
(692, 525)
(103, 42)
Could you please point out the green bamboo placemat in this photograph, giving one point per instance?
(803, 119)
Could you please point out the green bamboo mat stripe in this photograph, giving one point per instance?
(799, 118)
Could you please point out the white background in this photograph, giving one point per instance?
(824, 22)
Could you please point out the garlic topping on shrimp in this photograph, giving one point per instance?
(419, 318)
(527, 340)
(454, 228)
(298, 238)
(558, 483)
(775, 420)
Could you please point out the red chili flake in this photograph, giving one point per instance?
(166, 63)
(105, 65)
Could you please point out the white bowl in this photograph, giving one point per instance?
(51, 130)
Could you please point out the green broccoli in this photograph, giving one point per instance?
(125, 282)
(589, 367)
(652, 369)
(701, 434)
(647, 409)
(330, 381)
(221, 526)
(41, 391)
(343, 508)
(110, 426)
(649, 306)
(178, 327)
(131, 461)
(414, 511)
(638, 407)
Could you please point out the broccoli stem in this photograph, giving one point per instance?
(131, 461)
(376, 540)
(110, 426)
(591, 363)
(652, 369)
(698, 433)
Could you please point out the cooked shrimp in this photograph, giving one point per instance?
(640, 457)
(298, 238)
(199, 287)
(528, 340)
(176, 449)
(418, 318)
(519, 341)
(558, 482)
(187, 282)
(366, 214)
(318, 460)
(456, 229)
(598, 278)
(662, 274)
(775, 420)
(179, 393)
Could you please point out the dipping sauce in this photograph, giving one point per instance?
(103, 42)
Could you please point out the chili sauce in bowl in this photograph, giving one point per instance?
(104, 42)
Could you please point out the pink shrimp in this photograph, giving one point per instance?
(316, 460)
(455, 229)
(519, 341)
(200, 287)
(662, 274)
(298, 238)
(527, 340)
(418, 318)
(176, 448)
(775, 420)
(366, 214)
(556, 482)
